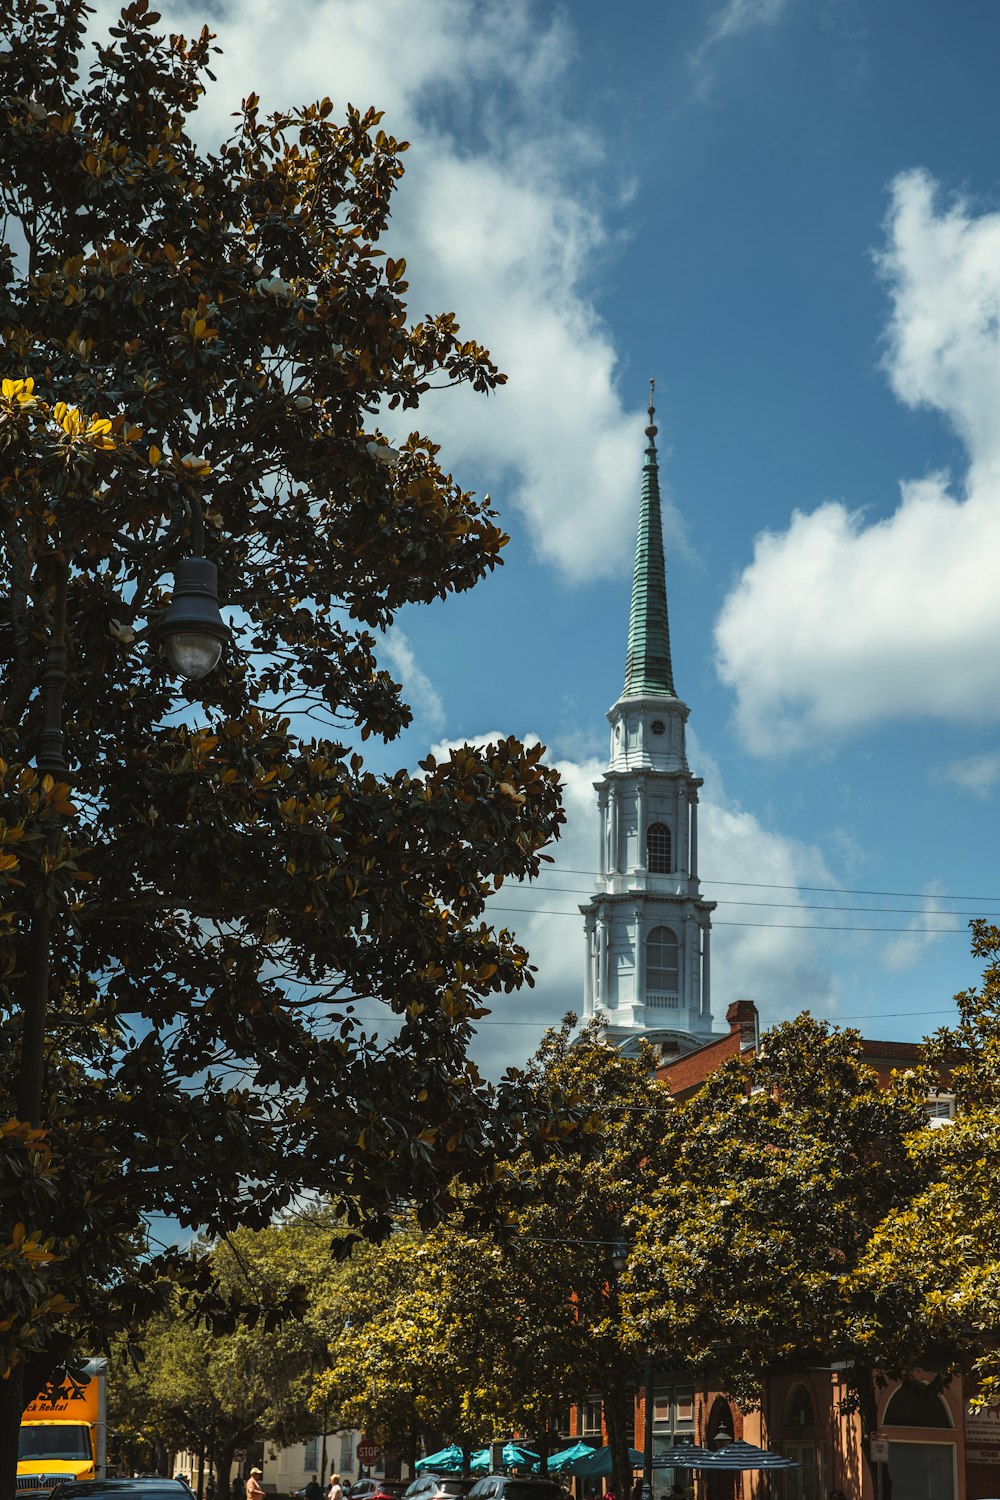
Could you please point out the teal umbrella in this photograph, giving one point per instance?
(599, 1462)
(562, 1463)
(448, 1461)
(514, 1457)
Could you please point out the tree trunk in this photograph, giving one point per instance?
(543, 1450)
(11, 1408)
(222, 1463)
(616, 1421)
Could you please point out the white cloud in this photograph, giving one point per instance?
(499, 220)
(978, 774)
(840, 621)
(731, 20)
(907, 952)
(418, 690)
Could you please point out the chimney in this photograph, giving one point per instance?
(745, 1023)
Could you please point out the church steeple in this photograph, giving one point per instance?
(648, 668)
(648, 927)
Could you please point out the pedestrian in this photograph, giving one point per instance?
(255, 1490)
(336, 1490)
(636, 1490)
(314, 1490)
(610, 1495)
(238, 1487)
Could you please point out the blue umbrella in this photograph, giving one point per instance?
(564, 1461)
(514, 1457)
(448, 1461)
(683, 1456)
(738, 1457)
(600, 1462)
(585, 1461)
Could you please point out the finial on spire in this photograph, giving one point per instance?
(652, 429)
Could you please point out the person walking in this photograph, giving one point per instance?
(336, 1490)
(255, 1490)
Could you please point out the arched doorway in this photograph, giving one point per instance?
(799, 1441)
(922, 1459)
(719, 1430)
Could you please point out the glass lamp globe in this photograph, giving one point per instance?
(192, 654)
(192, 631)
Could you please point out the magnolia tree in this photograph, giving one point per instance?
(746, 1256)
(932, 1269)
(464, 1337)
(198, 346)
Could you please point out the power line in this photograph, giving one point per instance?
(542, 911)
(823, 890)
(917, 911)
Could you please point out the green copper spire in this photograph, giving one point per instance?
(648, 671)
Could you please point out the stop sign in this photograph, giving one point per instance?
(368, 1452)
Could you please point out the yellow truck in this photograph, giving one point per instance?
(65, 1437)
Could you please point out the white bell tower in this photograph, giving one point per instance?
(647, 926)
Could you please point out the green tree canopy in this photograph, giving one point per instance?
(466, 1337)
(202, 1392)
(932, 1268)
(198, 349)
(746, 1254)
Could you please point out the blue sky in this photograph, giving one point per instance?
(788, 211)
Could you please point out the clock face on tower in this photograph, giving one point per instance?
(657, 726)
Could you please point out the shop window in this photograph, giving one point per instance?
(591, 1416)
(799, 1409)
(916, 1405)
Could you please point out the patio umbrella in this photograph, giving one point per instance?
(739, 1456)
(597, 1462)
(683, 1456)
(560, 1463)
(514, 1457)
(448, 1461)
(586, 1461)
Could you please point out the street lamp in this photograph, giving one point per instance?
(193, 634)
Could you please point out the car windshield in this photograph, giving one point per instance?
(44, 1443)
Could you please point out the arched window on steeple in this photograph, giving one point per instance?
(662, 973)
(658, 849)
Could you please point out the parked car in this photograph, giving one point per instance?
(512, 1487)
(149, 1487)
(378, 1489)
(438, 1487)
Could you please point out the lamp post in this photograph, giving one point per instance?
(193, 634)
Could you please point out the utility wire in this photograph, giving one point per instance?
(918, 911)
(548, 911)
(827, 890)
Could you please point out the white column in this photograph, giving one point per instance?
(682, 841)
(693, 798)
(602, 961)
(640, 959)
(588, 973)
(640, 857)
(706, 972)
(691, 957)
(614, 861)
(602, 824)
